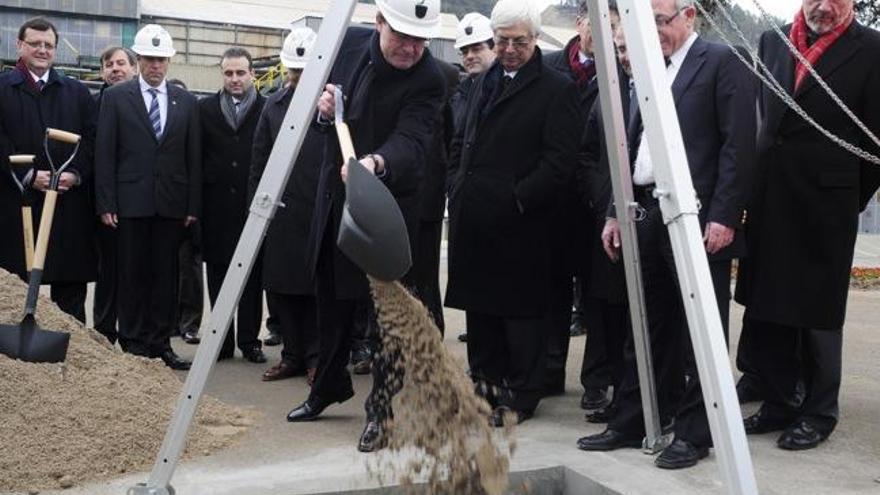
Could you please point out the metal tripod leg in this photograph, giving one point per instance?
(678, 204)
(278, 169)
(621, 181)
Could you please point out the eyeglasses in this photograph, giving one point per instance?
(519, 43)
(663, 21)
(405, 38)
(36, 45)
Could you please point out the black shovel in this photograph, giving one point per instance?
(372, 233)
(26, 341)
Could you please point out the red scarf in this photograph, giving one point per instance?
(583, 72)
(798, 37)
(26, 73)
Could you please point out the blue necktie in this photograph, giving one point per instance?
(155, 116)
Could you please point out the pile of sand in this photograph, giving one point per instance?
(100, 414)
(440, 423)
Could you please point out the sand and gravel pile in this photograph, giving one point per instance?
(100, 414)
(440, 425)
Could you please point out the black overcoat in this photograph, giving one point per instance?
(226, 164)
(512, 160)
(25, 114)
(138, 176)
(403, 108)
(803, 216)
(284, 250)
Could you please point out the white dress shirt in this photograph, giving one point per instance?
(44, 77)
(162, 96)
(643, 171)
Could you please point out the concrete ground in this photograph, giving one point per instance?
(277, 457)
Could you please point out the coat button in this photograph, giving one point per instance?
(233, 190)
(779, 141)
(234, 164)
(327, 194)
(467, 145)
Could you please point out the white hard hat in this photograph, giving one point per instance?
(473, 28)
(298, 48)
(416, 18)
(153, 41)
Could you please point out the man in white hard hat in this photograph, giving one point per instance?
(475, 45)
(394, 95)
(148, 187)
(290, 293)
(229, 120)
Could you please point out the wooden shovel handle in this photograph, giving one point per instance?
(21, 159)
(63, 136)
(345, 144)
(27, 224)
(45, 229)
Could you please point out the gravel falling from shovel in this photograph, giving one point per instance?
(440, 426)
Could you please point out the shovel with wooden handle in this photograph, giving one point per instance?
(372, 233)
(26, 341)
(27, 219)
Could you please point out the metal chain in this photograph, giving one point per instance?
(773, 84)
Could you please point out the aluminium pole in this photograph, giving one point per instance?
(299, 116)
(621, 181)
(679, 207)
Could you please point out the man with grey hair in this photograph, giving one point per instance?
(503, 196)
(714, 100)
(803, 219)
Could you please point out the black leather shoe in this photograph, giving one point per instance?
(254, 355)
(312, 408)
(190, 337)
(272, 340)
(603, 415)
(609, 440)
(760, 422)
(680, 454)
(503, 414)
(594, 398)
(372, 438)
(174, 361)
(800, 436)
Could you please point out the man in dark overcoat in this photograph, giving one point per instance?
(394, 94)
(148, 175)
(512, 161)
(714, 99)
(803, 219)
(229, 119)
(34, 96)
(290, 291)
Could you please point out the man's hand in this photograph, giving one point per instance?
(41, 180)
(368, 162)
(110, 220)
(611, 238)
(66, 181)
(717, 237)
(189, 220)
(327, 103)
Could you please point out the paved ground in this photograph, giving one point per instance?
(281, 458)
(867, 252)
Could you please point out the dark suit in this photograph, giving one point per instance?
(290, 292)
(802, 224)
(713, 94)
(572, 235)
(394, 116)
(512, 161)
(25, 113)
(152, 185)
(226, 164)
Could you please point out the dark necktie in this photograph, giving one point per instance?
(505, 82)
(40, 84)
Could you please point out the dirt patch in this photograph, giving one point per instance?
(100, 414)
(440, 423)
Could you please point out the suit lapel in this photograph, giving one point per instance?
(841, 51)
(171, 118)
(690, 66)
(140, 109)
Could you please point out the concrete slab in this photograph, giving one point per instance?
(277, 457)
(867, 252)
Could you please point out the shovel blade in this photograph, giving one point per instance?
(29, 343)
(373, 233)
